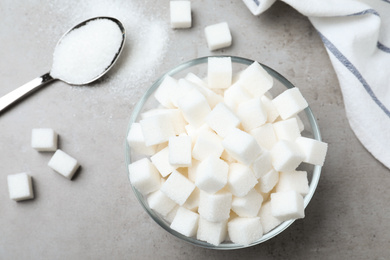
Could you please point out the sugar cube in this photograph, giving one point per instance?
(268, 181)
(235, 95)
(136, 141)
(208, 143)
(157, 129)
(218, 36)
(219, 72)
(63, 164)
(180, 151)
(287, 129)
(212, 97)
(164, 92)
(240, 179)
(268, 221)
(290, 103)
(293, 180)
(192, 203)
(248, 205)
(194, 107)
(191, 172)
(171, 215)
(215, 207)
(252, 114)
(212, 232)
(177, 187)
(144, 176)
(244, 230)
(287, 205)
(20, 186)
(180, 14)
(265, 135)
(160, 203)
(212, 174)
(44, 139)
(222, 120)
(286, 155)
(185, 222)
(314, 150)
(161, 161)
(272, 113)
(263, 164)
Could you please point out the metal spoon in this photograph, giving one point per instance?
(34, 84)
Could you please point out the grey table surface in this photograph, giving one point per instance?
(96, 215)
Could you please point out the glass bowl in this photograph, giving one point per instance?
(199, 67)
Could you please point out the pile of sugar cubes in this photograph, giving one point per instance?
(220, 155)
(20, 185)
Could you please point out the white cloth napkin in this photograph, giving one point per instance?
(356, 35)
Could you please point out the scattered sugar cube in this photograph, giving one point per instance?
(268, 181)
(286, 155)
(244, 231)
(268, 221)
(164, 92)
(212, 174)
(290, 103)
(215, 207)
(180, 151)
(212, 232)
(248, 205)
(252, 114)
(222, 120)
(314, 150)
(272, 113)
(194, 107)
(20, 186)
(242, 146)
(287, 205)
(235, 95)
(294, 180)
(157, 129)
(256, 80)
(218, 36)
(136, 141)
(240, 179)
(177, 187)
(144, 176)
(161, 161)
(44, 139)
(180, 13)
(185, 222)
(160, 203)
(219, 72)
(265, 135)
(287, 129)
(63, 164)
(208, 143)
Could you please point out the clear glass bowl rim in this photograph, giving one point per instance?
(224, 246)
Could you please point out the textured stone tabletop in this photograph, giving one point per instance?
(96, 215)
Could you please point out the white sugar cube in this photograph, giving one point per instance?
(242, 146)
(136, 140)
(191, 77)
(180, 14)
(294, 180)
(157, 129)
(248, 205)
(184, 88)
(177, 187)
(212, 232)
(218, 36)
(193, 132)
(211, 97)
(265, 135)
(20, 186)
(235, 95)
(173, 114)
(268, 181)
(287, 205)
(180, 151)
(222, 120)
(287, 129)
(44, 139)
(300, 123)
(268, 221)
(290, 103)
(256, 80)
(161, 162)
(240, 179)
(219, 72)
(160, 203)
(194, 107)
(208, 143)
(191, 172)
(212, 174)
(244, 231)
(63, 164)
(272, 113)
(192, 203)
(164, 92)
(227, 157)
(215, 207)
(185, 222)
(286, 155)
(252, 114)
(314, 150)
(171, 215)
(144, 176)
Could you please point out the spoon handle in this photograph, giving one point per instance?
(24, 90)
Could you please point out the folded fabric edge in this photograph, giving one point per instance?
(258, 6)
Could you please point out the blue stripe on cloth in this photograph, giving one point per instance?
(383, 47)
(257, 2)
(368, 11)
(333, 49)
